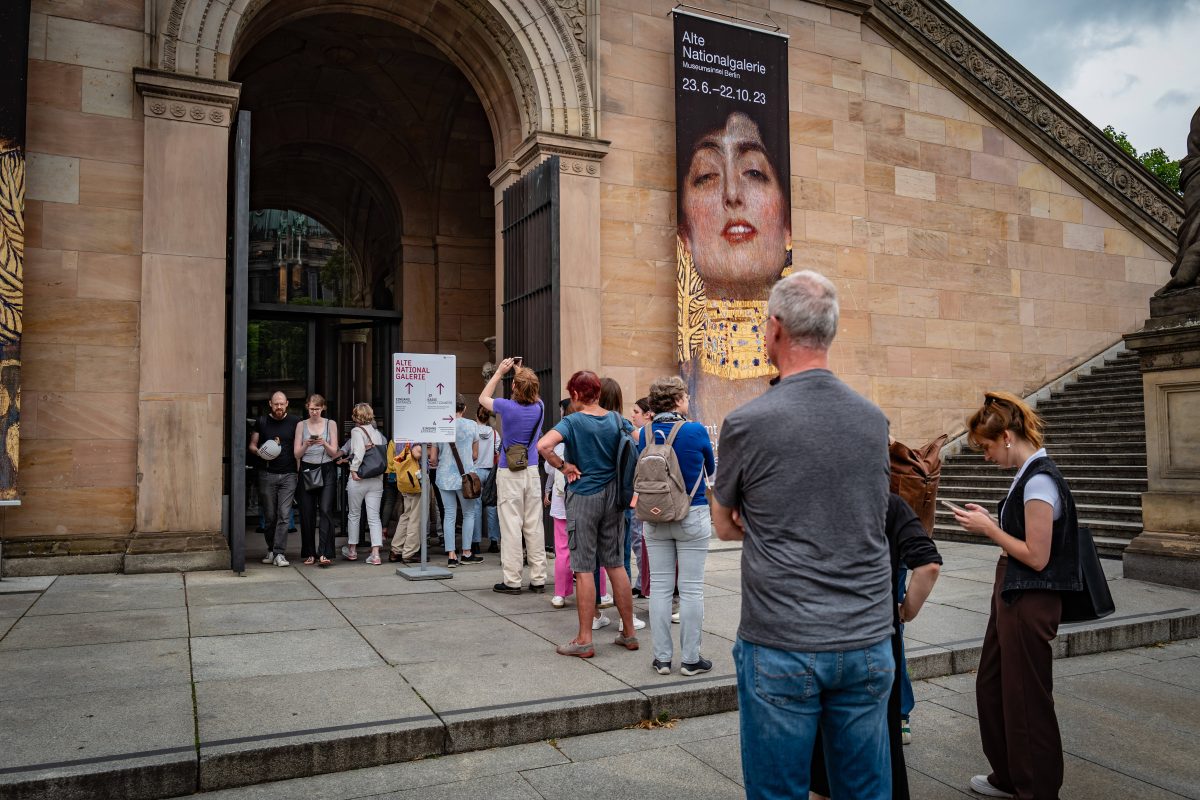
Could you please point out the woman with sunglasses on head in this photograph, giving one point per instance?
(1037, 528)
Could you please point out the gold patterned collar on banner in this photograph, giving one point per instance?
(734, 346)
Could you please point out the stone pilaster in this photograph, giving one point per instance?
(181, 393)
(1168, 550)
(580, 282)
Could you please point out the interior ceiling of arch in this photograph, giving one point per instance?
(370, 127)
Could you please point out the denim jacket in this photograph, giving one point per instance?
(1062, 571)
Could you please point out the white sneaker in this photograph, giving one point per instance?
(606, 601)
(280, 561)
(637, 624)
(981, 785)
(558, 601)
(269, 558)
(675, 618)
(599, 622)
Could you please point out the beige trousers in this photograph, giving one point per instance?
(407, 539)
(519, 505)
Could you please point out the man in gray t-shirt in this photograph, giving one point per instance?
(803, 482)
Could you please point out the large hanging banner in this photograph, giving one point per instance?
(735, 223)
(14, 60)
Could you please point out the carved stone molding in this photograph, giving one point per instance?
(576, 155)
(939, 33)
(201, 101)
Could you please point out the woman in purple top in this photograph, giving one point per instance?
(518, 490)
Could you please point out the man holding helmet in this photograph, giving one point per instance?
(272, 441)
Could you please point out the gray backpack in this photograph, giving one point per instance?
(658, 480)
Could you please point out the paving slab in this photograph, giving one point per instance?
(468, 639)
(1136, 697)
(724, 754)
(97, 627)
(946, 626)
(281, 726)
(22, 585)
(375, 781)
(281, 653)
(14, 605)
(395, 609)
(295, 615)
(663, 772)
(47, 672)
(615, 742)
(1184, 672)
(73, 594)
(343, 585)
(142, 749)
(251, 591)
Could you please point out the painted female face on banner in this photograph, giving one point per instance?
(737, 221)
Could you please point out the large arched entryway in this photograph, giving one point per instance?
(394, 127)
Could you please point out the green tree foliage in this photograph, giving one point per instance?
(1156, 160)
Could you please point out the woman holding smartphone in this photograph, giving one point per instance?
(1037, 528)
(316, 448)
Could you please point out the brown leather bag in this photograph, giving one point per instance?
(472, 487)
(915, 476)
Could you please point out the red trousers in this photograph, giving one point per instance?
(1014, 693)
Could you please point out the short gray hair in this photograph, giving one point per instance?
(806, 306)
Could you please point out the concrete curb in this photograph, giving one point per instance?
(258, 759)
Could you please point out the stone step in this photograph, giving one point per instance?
(1098, 379)
(1072, 472)
(1131, 514)
(1066, 406)
(1122, 445)
(1134, 433)
(1003, 480)
(1080, 391)
(992, 493)
(1064, 418)
(1074, 459)
(1111, 546)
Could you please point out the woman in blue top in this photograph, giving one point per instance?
(686, 541)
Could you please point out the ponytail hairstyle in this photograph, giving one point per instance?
(1002, 412)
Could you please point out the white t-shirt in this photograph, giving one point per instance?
(1040, 487)
(487, 447)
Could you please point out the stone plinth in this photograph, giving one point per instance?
(1168, 550)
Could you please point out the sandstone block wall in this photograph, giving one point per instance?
(83, 275)
(964, 263)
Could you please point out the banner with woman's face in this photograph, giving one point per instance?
(734, 212)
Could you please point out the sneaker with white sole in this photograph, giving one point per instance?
(661, 667)
(280, 561)
(905, 732)
(600, 622)
(269, 558)
(606, 601)
(637, 624)
(558, 601)
(696, 667)
(981, 785)
(675, 618)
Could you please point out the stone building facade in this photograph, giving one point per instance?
(981, 232)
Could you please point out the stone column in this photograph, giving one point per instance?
(1168, 549)
(580, 282)
(181, 392)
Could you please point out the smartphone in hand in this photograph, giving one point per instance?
(953, 507)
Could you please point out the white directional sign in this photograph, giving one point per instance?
(425, 392)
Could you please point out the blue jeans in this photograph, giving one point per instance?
(451, 500)
(783, 697)
(907, 701)
(483, 477)
(686, 543)
(493, 522)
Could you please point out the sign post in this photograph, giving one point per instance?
(423, 412)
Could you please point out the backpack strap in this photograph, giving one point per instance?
(674, 432)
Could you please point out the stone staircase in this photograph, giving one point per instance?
(1096, 433)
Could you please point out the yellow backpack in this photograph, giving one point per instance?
(408, 471)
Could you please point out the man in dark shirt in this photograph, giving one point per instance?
(803, 482)
(277, 477)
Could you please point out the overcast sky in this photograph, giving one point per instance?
(1132, 64)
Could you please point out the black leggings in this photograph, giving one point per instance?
(314, 502)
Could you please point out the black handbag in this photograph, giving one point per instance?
(314, 478)
(374, 462)
(1094, 600)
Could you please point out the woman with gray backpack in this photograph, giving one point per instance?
(676, 458)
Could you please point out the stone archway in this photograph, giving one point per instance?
(531, 61)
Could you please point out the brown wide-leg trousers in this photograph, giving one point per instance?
(1014, 693)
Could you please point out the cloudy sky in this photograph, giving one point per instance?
(1132, 64)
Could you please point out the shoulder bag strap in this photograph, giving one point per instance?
(533, 433)
(457, 459)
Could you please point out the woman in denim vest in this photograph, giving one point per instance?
(1037, 528)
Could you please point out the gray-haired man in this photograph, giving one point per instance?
(803, 480)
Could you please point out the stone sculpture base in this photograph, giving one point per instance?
(1168, 550)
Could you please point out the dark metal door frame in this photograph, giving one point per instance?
(235, 510)
(531, 277)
